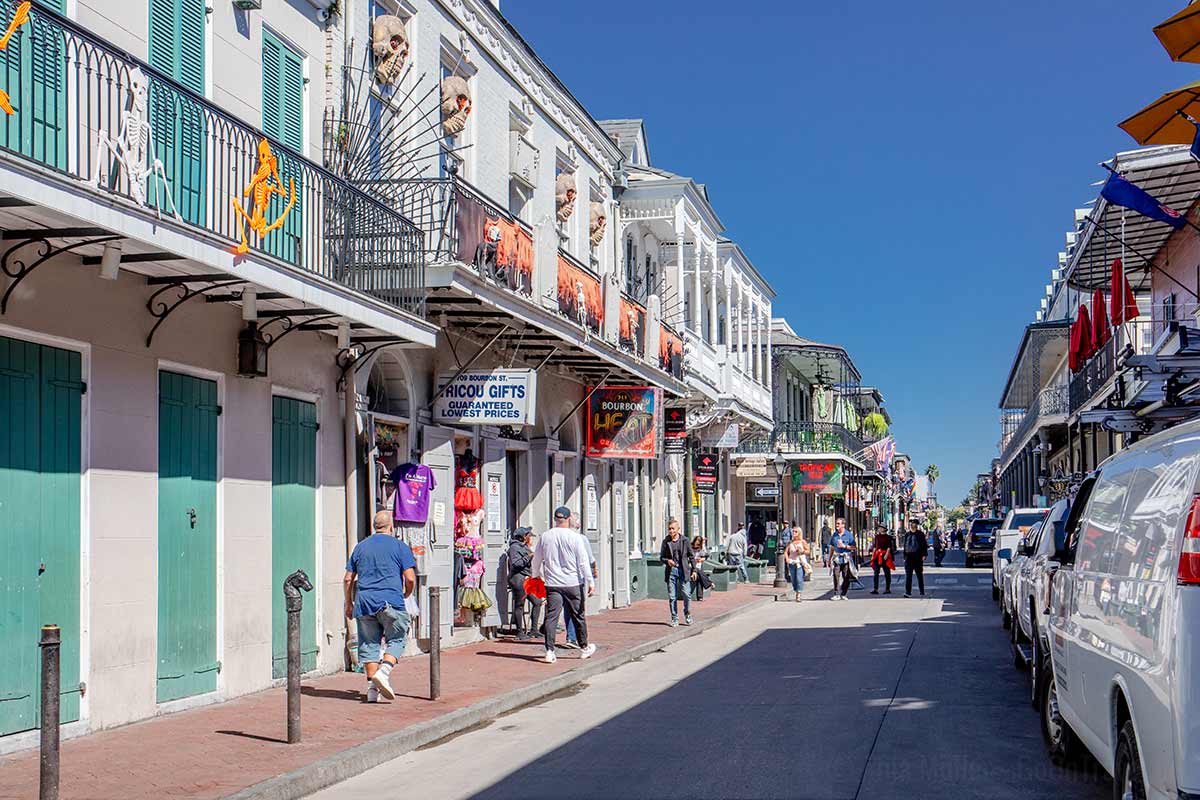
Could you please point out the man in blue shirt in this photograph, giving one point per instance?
(841, 548)
(384, 571)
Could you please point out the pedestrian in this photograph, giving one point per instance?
(826, 536)
(520, 568)
(758, 537)
(939, 547)
(915, 549)
(561, 559)
(572, 640)
(735, 553)
(380, 573)
(842, 546)
(679, 563)
(793, 557)
(883, 557)
(700, 580)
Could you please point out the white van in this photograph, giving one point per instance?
(1124, 623)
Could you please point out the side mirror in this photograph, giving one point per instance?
(1004, 553)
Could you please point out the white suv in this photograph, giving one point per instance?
(1124, 622)
(1004, 543)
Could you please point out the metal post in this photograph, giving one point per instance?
(295, 603)
(50, 646)
(781, 581)
(435, 642)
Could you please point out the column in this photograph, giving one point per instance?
(728, 317)
(679, 320)
(768, 377)
(712, 301)
(758, 343)
(743, 334)
(697, 293)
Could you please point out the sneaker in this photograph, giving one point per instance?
(372, 693)
(906, 594)
(687, 620)
(887, 591)
(380, 679)
(874, 591)
(674, 622)
(550, 657)
(588, 651)
(571, 645)
(835, 597)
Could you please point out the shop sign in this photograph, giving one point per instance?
(819, 477)
(751, 468)
(704, 473)
(487, 397)
(593, 508)
(762, 492)
(723, 437)
(675, 431)
(622, 422)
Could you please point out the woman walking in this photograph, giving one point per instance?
(883, 557)
(700, 580)
(794, 557)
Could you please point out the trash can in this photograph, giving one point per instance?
(656, 587)
(637, 579)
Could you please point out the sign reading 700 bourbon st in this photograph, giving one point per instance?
(622, 422)
(675, 431)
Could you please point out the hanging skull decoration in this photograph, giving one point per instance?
(390, 45)
(456, 105)
(596, 222)
(564, 196)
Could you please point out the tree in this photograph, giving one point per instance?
(956, 515)
(933, 473)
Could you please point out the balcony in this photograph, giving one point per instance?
(1135, 337)
(1051, 403)
(93, 120)
(804, 439)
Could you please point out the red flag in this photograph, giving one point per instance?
(1087, 345)
(1101, 331)
(1124, 304)
(1073, 359)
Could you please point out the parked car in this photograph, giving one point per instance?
(1124, 618)
(1008, 577)
(1032, 584)
(1016, 524)
(979, 539)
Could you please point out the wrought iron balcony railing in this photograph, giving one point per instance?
(805, 438)
(1137, 336)
(1050, 402)
(95, 116)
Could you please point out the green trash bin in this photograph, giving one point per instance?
(656, 587)
(638, 579)
(721, 575)
(756, 568)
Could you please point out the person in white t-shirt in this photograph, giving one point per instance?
(561, 560)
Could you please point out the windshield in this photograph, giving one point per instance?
(984, 525)
(1020, 521)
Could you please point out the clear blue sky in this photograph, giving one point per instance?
(902, 173)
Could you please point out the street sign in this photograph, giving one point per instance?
(704, 473)
(761, 492)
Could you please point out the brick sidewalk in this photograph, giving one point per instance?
(221, 749)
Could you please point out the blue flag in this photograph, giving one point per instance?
(1121, 192)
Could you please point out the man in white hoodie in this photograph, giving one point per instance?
(561, 560)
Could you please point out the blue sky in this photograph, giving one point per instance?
(902, 173)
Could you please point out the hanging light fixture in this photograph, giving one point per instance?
(110, 261)
(250, 304)
(251, 352)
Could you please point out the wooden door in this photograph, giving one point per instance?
(293, 524)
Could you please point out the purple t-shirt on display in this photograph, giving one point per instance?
(413, 483)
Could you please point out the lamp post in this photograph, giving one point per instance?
(780, 579)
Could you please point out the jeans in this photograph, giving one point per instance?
(678, 584)
(569, 600)
(887, 573)
(938, 555)
(740, 563)
(911, 566)
(841, 572)
(795, 574)
(386, 623)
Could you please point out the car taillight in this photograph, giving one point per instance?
(1189, 557)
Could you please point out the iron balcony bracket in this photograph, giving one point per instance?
(18, 269)
(288, 325)
(354, 356)
(161, 305)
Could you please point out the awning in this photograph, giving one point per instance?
(1043, 344)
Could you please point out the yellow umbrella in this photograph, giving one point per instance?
(1162, 122)
(1180, 35)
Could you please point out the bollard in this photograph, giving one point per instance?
(294, 601)
(435, 642)
(50, 644)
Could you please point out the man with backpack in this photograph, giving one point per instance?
(915, 548)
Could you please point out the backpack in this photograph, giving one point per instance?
(912, 543)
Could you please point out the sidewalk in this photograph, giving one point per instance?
(224, 749)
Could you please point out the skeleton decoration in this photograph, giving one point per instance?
(456, 104)
(581, 305)
(596, 222)
(20, 17)
(133, 148)
(390, 45)
(261, 189)
(564, 196)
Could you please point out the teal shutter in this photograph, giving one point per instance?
(283, 121)
(187, 536)
(40, 390)
(293, 524)
(180, 127)
(34, 75)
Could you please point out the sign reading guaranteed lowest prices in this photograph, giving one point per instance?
(487, 397)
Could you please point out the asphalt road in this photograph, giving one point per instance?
(879, 697)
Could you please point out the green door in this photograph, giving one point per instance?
(177, 48)
(35, 77)
(293, 523)
(40, 442)
(283, 121)
(187, 536)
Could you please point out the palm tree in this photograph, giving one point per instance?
(933, 473)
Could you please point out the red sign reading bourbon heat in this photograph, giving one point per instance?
(622, 422)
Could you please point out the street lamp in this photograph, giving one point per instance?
(780, 463)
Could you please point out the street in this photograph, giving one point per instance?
(879, 697)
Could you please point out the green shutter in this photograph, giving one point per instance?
(34, 75)
(187, 536)
(176, 33)
(283, 121)
(293, 523)
(40, 443)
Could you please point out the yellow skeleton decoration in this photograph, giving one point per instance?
(20, 17)
(260, 190)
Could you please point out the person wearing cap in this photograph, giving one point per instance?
(520, 568)
(561, 560)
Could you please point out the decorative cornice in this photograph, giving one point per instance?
(477, 18)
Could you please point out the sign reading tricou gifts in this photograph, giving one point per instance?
(487, 397)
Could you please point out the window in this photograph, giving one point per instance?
(523, 160)
(283, 120)
(454, 149)
(1169, 308)
(177, 48)
(1102, 517)
(564, 166)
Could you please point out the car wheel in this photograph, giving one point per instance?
(1128, 783)
(970, 563)
(1061, 744)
